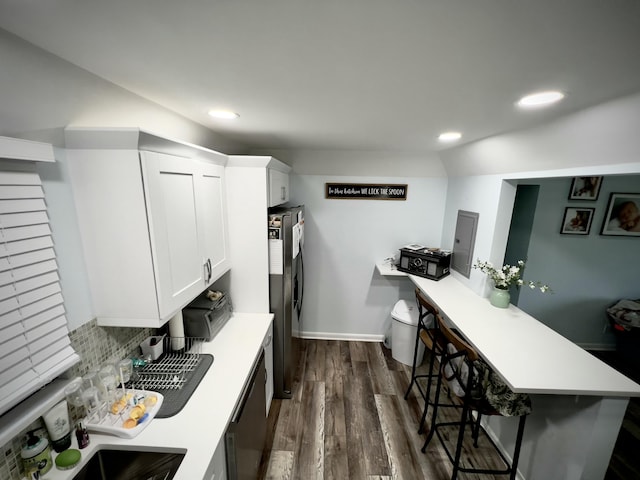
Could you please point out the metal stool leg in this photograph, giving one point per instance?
(434, 413)
(516, 452)
(428, 392)
(414, 366)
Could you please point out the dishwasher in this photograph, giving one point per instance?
(247, 433)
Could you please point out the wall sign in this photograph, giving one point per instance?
(366, 191)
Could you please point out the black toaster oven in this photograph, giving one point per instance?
(204, 317)
(425, 262)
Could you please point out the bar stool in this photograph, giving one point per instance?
(427, 333)
(464, 373)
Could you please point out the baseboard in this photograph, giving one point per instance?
(352, 337)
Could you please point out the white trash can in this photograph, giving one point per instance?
(404, 325)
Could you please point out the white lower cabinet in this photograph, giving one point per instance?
(268, 362)
(218, 466)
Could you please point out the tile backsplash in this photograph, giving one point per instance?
(95, 345)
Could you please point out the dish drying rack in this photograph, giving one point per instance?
(175, 374)
(106, 421)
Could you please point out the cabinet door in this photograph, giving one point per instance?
(171, 188)
(218, 464)
(267, 344)
(278, 187)
(212, 221)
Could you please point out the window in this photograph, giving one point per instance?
(34, 338)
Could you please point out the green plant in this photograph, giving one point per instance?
(508, 275)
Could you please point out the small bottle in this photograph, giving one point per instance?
(82, 435)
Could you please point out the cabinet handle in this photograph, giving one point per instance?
(210, 269)
(283, 193)
(207, 270)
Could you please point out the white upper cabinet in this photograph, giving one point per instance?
(153, 225)
(186, 220)
(213, 206)
(278, 187)
(249, 197)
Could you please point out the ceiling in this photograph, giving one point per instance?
(386, 75)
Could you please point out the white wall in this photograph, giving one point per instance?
(66, 236)
(41, 94)
(361, 162)
(344, 296)
(483, 195)
(603, 135)
(598, 141)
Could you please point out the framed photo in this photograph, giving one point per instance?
(585, 188)
(577, 220)
(622, 217)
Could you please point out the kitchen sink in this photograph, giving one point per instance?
(106, 464)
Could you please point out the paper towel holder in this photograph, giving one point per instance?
(176, 332)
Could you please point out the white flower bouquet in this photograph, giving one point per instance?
(509, 275)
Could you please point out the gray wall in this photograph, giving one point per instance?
(588, 273)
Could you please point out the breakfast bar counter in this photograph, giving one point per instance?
(578, 401)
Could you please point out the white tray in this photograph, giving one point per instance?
(112, 423)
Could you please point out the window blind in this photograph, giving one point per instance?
(34, 337)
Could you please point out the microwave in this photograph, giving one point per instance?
(425, 262)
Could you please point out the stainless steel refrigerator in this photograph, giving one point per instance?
(286, 291)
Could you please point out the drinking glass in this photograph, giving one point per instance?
(91, 379)
(93, 403)
(73, 392)
(125, 368)
(108, 382)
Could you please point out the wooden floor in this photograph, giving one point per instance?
(348, 419)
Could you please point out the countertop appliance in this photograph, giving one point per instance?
(247, 432)
(286, 290)
(206, 315)
(431, 263)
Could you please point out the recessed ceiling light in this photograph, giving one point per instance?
(224, 114)
(540, 99)
(449, 136)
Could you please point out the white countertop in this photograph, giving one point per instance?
(528, 355)
(201, 424)
(389, 269)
